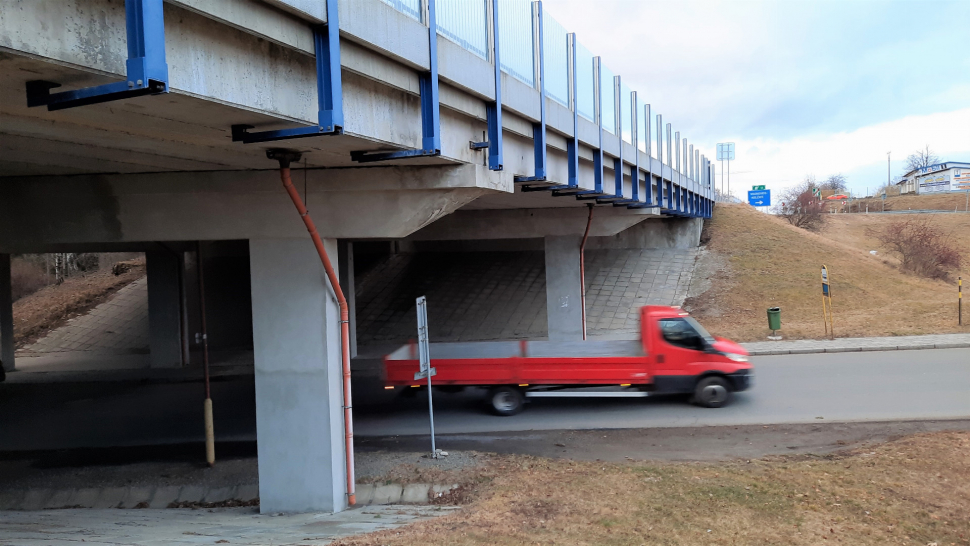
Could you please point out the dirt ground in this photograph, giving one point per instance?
(760, 261)
(911, 490)
(50, 307)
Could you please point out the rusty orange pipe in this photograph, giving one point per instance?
(344, 328)
(582, 267)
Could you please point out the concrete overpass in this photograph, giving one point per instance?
(144, 125)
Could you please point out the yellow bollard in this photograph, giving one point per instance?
(210, 440)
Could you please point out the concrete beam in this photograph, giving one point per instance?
(389, 202)
(6, 317)
(296, 340)
(531, 223)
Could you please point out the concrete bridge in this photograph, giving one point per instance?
(145, 125)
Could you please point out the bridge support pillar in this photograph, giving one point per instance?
(164, 309)
(563, 288)
(6, 317)
(296, 342)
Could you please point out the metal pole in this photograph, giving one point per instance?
(960, 301)
(434, 452)
(210, 443)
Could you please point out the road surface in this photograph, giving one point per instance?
(869, 386)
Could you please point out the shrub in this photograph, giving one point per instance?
(922, 247)
(26, 277)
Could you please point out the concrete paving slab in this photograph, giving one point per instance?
(185, 527)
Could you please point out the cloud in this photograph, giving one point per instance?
(859, 154)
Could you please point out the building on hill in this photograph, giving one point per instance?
(938, 178)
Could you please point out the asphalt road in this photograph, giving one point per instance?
(871, 386)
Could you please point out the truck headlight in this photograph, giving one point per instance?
(736, 357)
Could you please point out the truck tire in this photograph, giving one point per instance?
(505, 401)
(712, 392)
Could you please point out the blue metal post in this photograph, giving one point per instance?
(428, 86)
(430, 106)
(572, 144)
(493, 112)
(648, 183)
(598, 152)
(330, 108)
(618, 161)
(146, 68)
(539, 129)
(635, 137)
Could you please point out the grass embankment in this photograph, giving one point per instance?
(764, 262)
(37, 314)
(854, 230)
(911, 491)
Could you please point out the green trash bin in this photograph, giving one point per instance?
(774, 318)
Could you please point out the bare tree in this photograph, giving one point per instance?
(836, 182)
(921, 158)
(801, 206)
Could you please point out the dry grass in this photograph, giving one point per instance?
(770, 263)
(853, 230)
(911, 491)
(46, 309)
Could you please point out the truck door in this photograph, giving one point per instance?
(678, 354)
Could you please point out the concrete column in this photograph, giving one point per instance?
(296, 341)
(563, 290)
(345, 270)
(164, 309)
(6, 317)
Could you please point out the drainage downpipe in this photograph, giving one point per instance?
(582, 267)
(344, 320)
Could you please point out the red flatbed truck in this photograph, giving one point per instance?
(674, 354)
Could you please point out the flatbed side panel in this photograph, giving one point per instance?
(508, 349)
(534, 371)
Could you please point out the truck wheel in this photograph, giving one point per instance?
(505, 401)
(712, 392)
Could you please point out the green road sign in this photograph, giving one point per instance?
(757, 188)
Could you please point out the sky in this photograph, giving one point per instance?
(802, 88)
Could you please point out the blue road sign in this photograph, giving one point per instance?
(759, 198)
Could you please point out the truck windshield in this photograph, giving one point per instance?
(700, 330)
(685, 332)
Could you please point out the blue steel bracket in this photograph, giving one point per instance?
(330, 109)
(146, 70)
(430, 106)
(539, 129)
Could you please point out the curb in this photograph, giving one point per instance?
(804, 351)
(196, 496)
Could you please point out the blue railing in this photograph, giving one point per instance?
(516, 42)
(464, 22)
(413, 8)
(585, 83)
(607, 92)
(555, 59)
(626, 113)
(468, 23)
(643, 125)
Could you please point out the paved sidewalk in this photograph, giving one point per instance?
(192, 527)
(851, 344)
(118, 326)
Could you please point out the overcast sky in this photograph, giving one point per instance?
(813, 87)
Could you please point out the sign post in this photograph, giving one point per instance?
(424, 361)
(960, 301)
(725, 151)
(827, 317)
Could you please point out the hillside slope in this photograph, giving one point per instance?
(754, 261)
